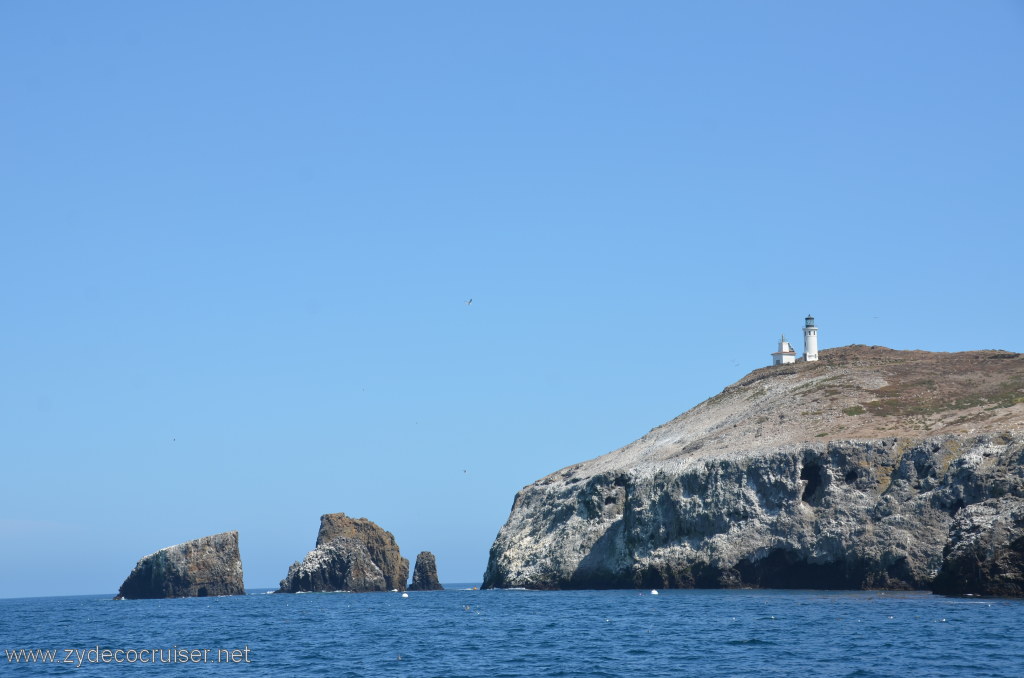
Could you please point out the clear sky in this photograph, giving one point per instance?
(237, 240)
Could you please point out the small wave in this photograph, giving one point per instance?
(749, 641)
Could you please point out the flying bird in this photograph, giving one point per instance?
(469, 302)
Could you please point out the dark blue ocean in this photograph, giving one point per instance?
(522, 633)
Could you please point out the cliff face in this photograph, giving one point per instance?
(210, 566)
(845, 473)
(985, 552)
(351, 554)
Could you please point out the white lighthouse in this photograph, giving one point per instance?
(810, 339)
(785, 354)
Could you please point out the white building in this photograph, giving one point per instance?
(810, 339)
(785, 354)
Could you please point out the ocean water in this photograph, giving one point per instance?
(471, 633)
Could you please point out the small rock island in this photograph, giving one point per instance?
(351, 554)
(210, 566)
(424, 574)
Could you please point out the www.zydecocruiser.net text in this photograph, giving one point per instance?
(97, 655)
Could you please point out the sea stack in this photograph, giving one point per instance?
(853, 471)
(210, 566)
(424, 574)
(351, 554)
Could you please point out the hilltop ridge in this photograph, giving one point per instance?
(852, 392)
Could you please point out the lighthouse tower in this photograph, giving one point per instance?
(785, 354)
(810, 339)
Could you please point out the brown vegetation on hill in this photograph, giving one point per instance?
(911, 391)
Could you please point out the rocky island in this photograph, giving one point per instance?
(210, 566)
(351, 554)
(424, 574)
(869, 468)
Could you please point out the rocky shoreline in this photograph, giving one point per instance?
(841, 515)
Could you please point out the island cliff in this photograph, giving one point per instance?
(860, 470)
(351, 554)
(210, 566)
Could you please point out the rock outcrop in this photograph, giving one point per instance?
(210, 566)
(841, 473)
(341, 564)
(424, 574)
(351, 554)
(985, 552)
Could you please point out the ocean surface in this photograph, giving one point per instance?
(460, 632)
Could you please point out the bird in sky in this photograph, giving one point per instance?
(469, 302)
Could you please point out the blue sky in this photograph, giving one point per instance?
(237, 239)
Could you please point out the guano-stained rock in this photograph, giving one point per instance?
(210, 566)
(351, 554)
(424, 574)
(842, 473)
(341, 564)
(985, 552)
